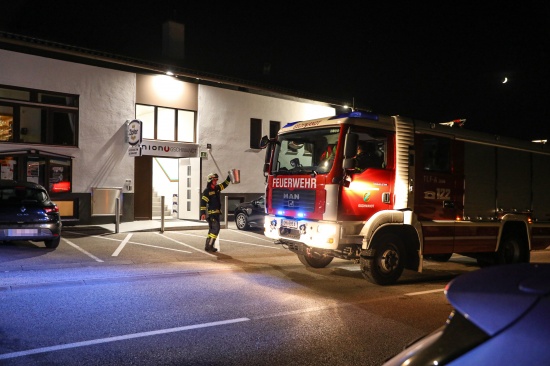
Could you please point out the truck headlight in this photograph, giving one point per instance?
(326, 229)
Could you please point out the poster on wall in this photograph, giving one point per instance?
(6, 172)
(33, 170)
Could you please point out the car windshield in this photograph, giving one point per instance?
(306, 152)
(17, 194)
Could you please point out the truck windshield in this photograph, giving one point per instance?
(306, 152)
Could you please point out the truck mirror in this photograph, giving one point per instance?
(350, 145)
(264, 142)
(349, 163)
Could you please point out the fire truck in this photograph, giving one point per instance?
(427, 190)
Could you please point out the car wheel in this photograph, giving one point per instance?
(53, 243)
(315, 260)
(241, 220)
(384, 262)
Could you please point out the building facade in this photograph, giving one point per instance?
(64, 124)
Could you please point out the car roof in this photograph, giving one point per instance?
(494, 297)
(14, 183)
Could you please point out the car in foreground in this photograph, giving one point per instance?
(501, 316)
(250, 214)
(27, 213)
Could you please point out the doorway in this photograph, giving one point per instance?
(175, 179)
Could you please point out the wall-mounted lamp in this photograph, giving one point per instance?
(209, 146)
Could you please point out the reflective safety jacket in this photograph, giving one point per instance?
(210, 200)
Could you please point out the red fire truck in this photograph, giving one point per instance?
(427, 191)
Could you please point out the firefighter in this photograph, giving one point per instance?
(211, 208)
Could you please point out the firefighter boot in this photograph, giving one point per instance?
(207, 245)
(212, 249)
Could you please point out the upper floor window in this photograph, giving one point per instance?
(38, 117)
(255, 133)
(274, 127)
(168, 124)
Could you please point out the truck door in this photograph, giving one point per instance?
(439, 190)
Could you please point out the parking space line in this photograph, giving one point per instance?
(424, 292)
(186, 245)
(82, 250)
(121, 246)
(252, 236)
(35, 351)
(158, 247)
(232, 241)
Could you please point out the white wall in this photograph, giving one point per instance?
(224, 121)
(107, 99)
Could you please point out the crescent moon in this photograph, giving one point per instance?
(505, 80)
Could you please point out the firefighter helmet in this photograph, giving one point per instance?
(212, 176)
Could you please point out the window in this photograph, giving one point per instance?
(274, 128)
(52, 171)
(38, 117)
(437, 154)
(255, 133)
(168, 124)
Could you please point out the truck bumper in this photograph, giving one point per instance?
(316, 234)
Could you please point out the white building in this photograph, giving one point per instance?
(63, 124)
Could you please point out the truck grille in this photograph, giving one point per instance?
(303, 200)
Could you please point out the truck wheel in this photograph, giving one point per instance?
(314, 260)
(385, 262)
(510, 251)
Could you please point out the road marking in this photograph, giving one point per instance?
(82, 250)
(424, 292)
(234, 241)
(187, 245)
(252, 236)
(35, 351)
(121, 246)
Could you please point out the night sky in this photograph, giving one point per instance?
(434, 61)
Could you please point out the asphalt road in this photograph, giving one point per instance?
(158, 299)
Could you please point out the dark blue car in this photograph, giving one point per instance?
(501, 316)
(250, 214)
(27, 213)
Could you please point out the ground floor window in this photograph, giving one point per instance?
(52, 171)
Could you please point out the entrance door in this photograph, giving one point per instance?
(143, 187)
(189, 188)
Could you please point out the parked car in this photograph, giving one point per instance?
(27, 213)
(248, 214)
(501, 316)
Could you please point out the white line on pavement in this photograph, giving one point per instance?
(262, 238)
(424, 292)
(230, 241)
(35, 351)
(187, 245)
(82, 250)
(121, 245)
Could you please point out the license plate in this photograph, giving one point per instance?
(22, 232)
(289, 223)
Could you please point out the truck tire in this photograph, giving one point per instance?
(385, 261)
(314, 260)
(511, 251)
